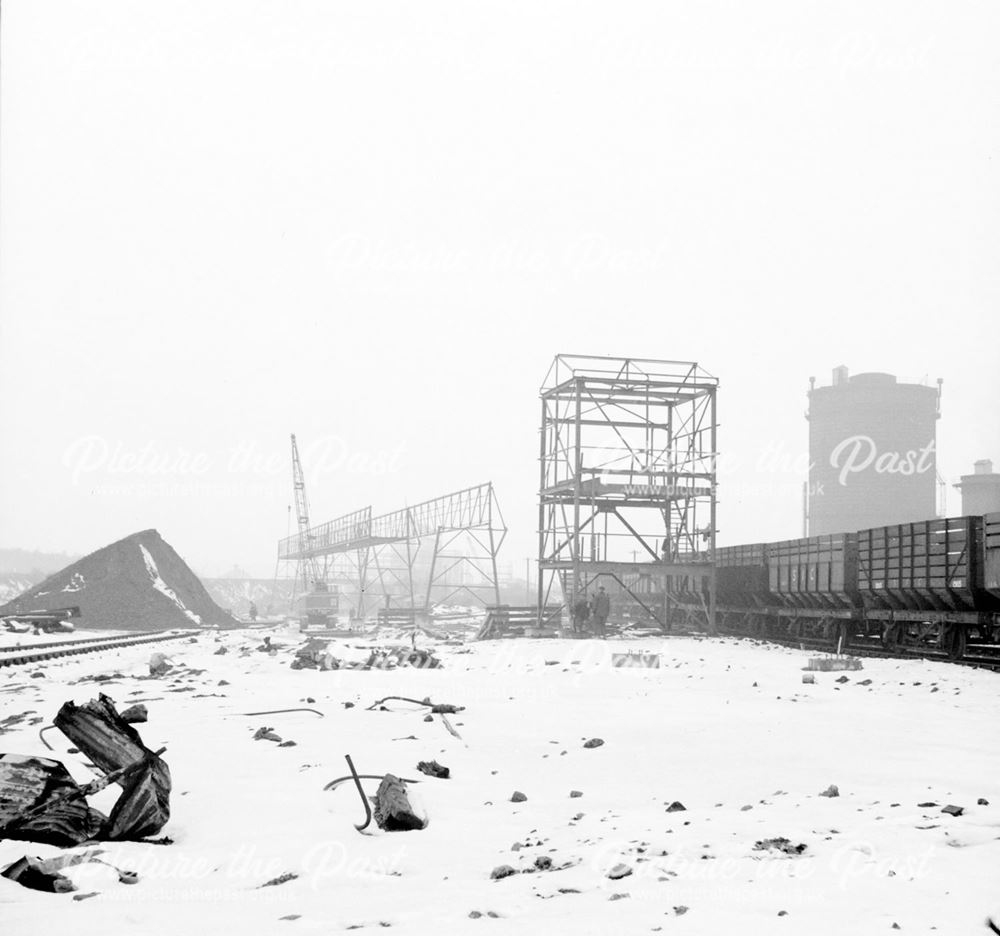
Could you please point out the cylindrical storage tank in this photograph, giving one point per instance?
(872, 452)
(980, 491)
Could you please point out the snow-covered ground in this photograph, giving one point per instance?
(728, 729)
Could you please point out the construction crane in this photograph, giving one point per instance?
(316, 603)
(308, 568)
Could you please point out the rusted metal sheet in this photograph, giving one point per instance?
(40, 802)
(112, 744)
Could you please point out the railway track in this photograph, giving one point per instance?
(39, 653)
(858, 649)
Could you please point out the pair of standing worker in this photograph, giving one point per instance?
(596, 611)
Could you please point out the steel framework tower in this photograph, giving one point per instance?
(627, 488)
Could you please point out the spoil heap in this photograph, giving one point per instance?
(138, 583)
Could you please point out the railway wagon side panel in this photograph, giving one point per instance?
(741, 575)
(930, 564)
(815, 572)
(991, 556)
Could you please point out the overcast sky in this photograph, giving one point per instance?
(374, 224)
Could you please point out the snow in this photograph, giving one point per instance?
(697, 730)
(77, 583)
(162, 587)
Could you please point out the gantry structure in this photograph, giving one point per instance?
(384, 551)
(627, 490)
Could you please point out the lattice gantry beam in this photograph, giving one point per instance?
(352, 531)
(468, 530)
(627, 487)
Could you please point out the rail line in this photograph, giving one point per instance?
(39, 653)
(818, 645)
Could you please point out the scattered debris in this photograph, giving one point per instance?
(782, 845)
(280, 879)
(393, 812)
(159, 665)
(449, 726)
(517, 797)
(36, 874)
(43, 874)
(575, 794)
(593, 742)
(314, 654)
(135, 714)
(676, 806)
(543, 863)
(501, 871)
(266, 734)
(953, 810)
(283, 711)
(982, 801)
(831, 791)
(434, 769)
(436, 708)
(808, 678)
(619, 871)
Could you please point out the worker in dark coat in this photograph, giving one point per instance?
(602, 608)
(581, 614)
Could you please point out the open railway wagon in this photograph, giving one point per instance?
(934, 584)
(794, 588)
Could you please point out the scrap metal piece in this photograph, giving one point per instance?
(34, 873)
(279, 711)
(361, 793)
(113, 745)
(41, 802)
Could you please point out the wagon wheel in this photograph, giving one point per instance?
(954, 640)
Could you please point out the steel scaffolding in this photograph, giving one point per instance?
(627, 491)
(468, 531)
(466, 542)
